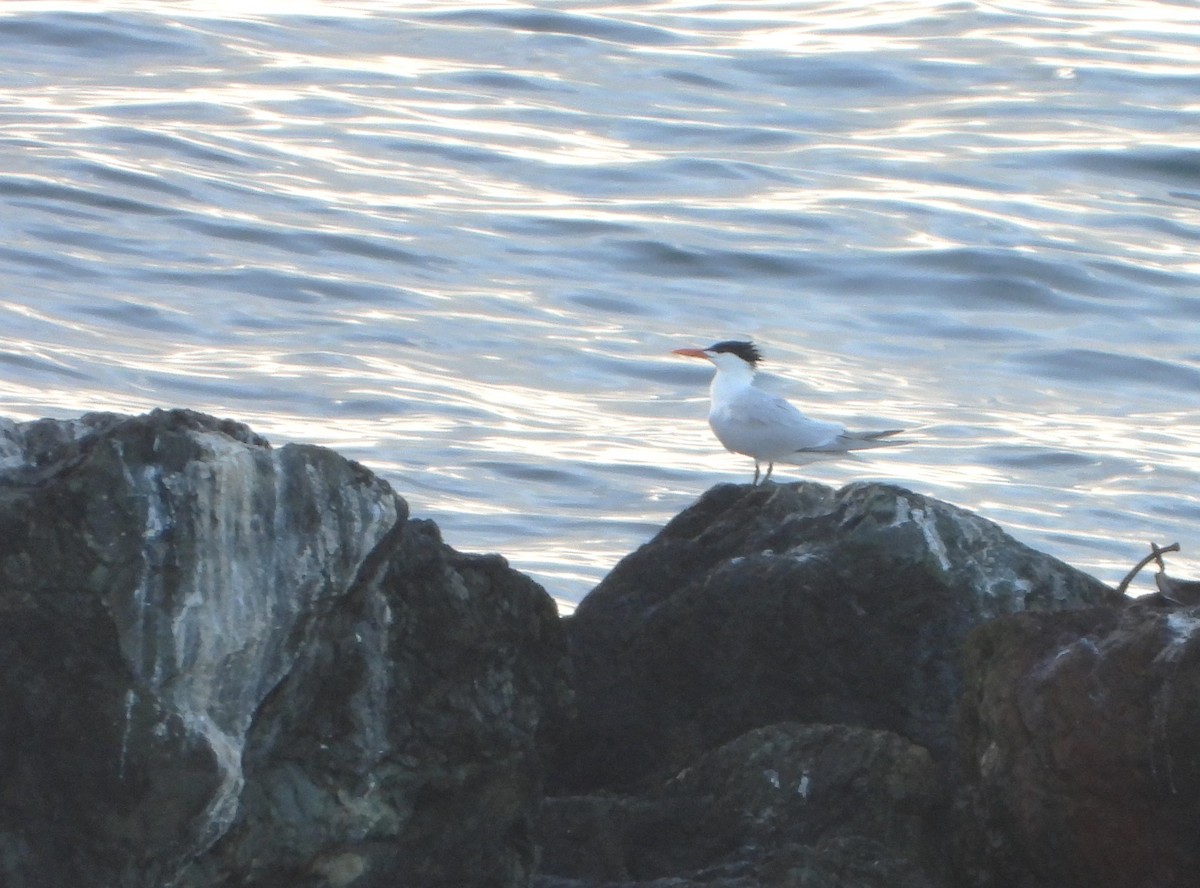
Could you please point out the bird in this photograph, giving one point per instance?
(750, 421)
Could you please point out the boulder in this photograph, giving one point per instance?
(223, 663)
(1080, 750)
(792, 603)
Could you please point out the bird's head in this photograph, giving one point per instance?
(729, 354)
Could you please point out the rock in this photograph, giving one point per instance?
(227, 664)
(1079, 751)
(222, 663)
(784, 804)
(837, 864)
(403, 747)
(792, 602)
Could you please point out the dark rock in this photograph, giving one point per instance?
(226, 664)
(1079, 751)
(792, 602)
(839, 863)
(777, 805)
(223, 664)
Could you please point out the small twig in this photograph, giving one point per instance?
(1155, 555)
(1162, 568)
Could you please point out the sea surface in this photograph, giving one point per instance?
(458, 241)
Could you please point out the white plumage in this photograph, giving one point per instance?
(763, 426)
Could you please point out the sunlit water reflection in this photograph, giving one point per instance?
(458, 243)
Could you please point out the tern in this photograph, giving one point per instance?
(763, 426)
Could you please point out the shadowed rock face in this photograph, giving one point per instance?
(793, 602)
(224, 663)
(1080, 751)
(759, 807)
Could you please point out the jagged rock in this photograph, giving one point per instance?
(792, 602)
(838, 805)
(1079, 751)
(222, 663)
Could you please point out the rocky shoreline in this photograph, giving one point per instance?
(228, 664)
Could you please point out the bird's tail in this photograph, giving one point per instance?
(867, 440)
(843, 444)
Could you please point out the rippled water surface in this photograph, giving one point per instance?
(458, 241)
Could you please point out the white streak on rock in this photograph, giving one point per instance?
(928, 526)
(237, 546)
(1183, 627)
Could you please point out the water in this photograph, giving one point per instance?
(458, 242)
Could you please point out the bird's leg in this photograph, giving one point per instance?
(754, 483)
(770, 468)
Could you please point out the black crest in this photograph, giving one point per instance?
(747, 351)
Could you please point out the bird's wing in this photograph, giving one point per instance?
(776, 425)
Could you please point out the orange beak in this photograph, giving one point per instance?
(690, 353)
